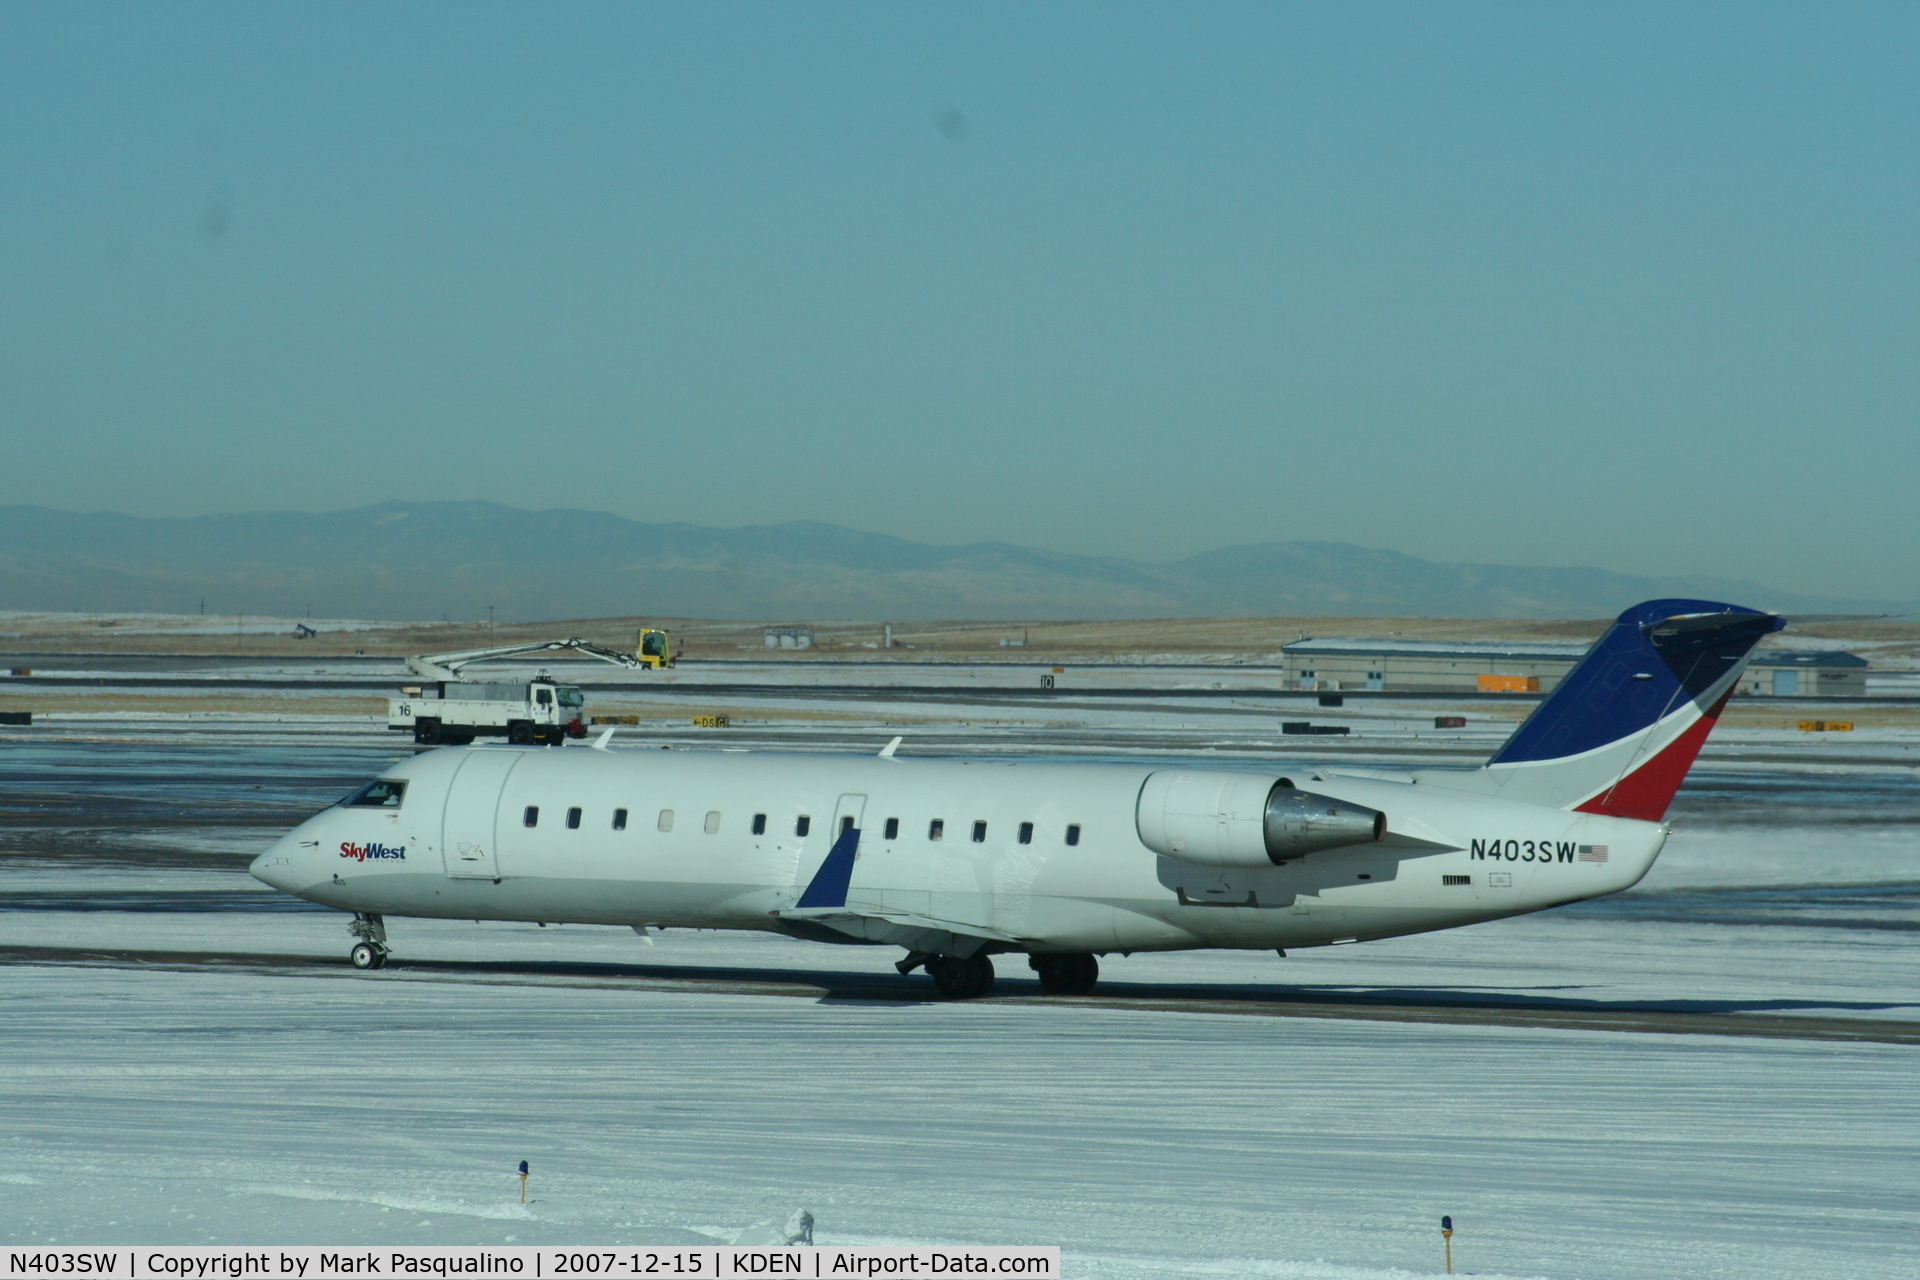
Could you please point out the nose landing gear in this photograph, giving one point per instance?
(371, 951)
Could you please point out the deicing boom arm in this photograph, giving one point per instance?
(447, 666)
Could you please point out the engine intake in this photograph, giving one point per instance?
(1221, 819)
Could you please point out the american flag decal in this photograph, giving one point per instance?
(1593, 853)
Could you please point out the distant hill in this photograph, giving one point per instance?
(404, 560)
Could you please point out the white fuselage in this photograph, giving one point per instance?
(460, 846)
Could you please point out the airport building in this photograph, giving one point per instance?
(791, 637)
(1427, 666)
(1791, 673)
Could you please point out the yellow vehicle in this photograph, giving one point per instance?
(651, 647)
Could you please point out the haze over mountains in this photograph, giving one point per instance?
(419, 560)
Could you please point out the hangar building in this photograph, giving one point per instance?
(1429, 666)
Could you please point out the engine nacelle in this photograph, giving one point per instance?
(1221, 819)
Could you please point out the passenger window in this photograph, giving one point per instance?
(543, 697)
(531, 817)
(666, 820)
(937, 828)
(979, 833)
(713, 823)
(619, 819)
(893, 828)
(381, 793)
(802, 825)
(1073, 833)
(573, 819)
(759, 824)
(1026, 833)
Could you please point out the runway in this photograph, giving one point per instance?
(1012, 988)
(807, 680)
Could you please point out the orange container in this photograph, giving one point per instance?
(1509, 684)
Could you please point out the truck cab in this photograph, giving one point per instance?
(556, 707)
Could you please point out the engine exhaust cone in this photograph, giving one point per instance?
(1298, 823)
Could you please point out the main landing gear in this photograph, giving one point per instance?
(1065, 975)
(371, 951)
(957, 978)
(962, 979)
(972, 977)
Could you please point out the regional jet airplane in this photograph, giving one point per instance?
(957, 861)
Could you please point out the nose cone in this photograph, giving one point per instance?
(276, 865)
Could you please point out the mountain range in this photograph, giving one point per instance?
(420, 560)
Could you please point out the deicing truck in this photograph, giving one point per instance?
(451, 710)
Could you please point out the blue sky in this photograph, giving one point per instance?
(1623, 285)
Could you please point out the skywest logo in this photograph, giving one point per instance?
(361, 852)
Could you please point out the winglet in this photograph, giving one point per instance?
(829, 887)
(886, 752)
(600, 743)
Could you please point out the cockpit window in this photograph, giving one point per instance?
(570, 696)
(381, 793)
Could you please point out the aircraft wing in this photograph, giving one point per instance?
(899, 928)
(824, 904)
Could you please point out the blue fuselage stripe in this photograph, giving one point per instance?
(829, 887)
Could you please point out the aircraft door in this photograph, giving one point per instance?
(473, 801)
(847, 814)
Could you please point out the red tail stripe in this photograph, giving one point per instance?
(1647, 791)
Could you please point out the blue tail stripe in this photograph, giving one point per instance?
(829, 887)
(1635, 674)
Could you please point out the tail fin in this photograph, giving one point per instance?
(1619, 733)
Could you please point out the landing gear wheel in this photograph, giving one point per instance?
(960, 979)
(371, 951)
(1066, 975)
(949, 975)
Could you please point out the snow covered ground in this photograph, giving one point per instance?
(164, 1097)
(234, 1108)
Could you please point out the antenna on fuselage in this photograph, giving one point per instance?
(886, 752)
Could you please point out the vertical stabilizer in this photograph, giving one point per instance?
(1619, 733)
